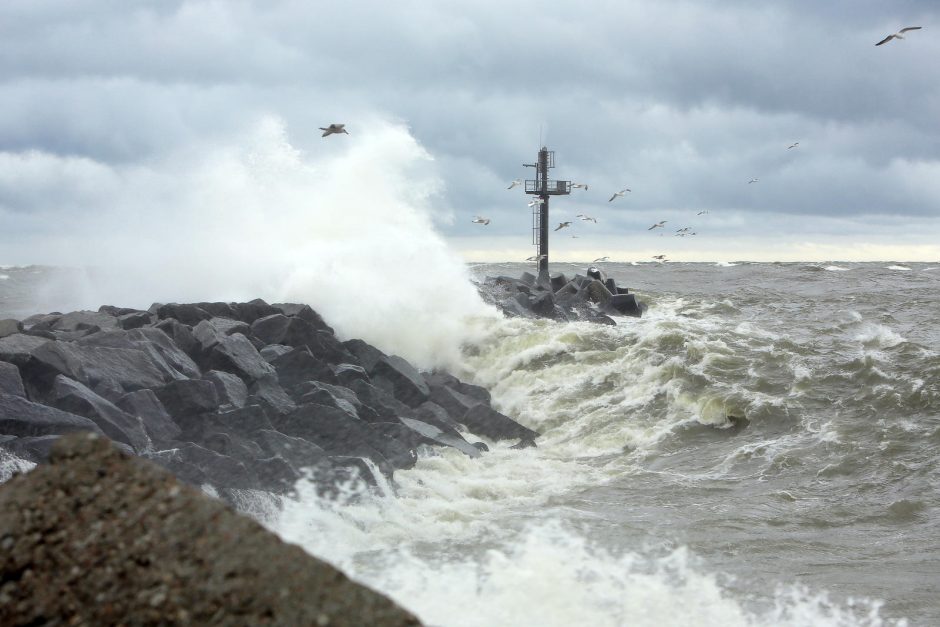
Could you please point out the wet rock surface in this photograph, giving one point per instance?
(99, 537)
(236, 395)
(591, 297)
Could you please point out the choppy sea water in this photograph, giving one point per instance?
(645, 503)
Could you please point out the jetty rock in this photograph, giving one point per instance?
(239, 396)
(99, 537)
(591, 297)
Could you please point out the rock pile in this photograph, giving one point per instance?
(97, 537)
(592, 297)
(236, 395)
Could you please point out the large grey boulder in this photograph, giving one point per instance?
(71, 396)
(172, 361)
(365, 353)
(235, 354)
(9, 326)
(157, 422)
(186, 400)
(484, 420)
(10, 380)
(18, 348)
(185, 313)
(85, 321)
(269, 393)
(110, 372)
(231, 389)
(180, 334)
(437, 435)
(305, 312)
(24, 418)
(395, 375)
(300, 365)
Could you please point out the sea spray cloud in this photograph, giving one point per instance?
(348, 229)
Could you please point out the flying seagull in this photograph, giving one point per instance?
(536, 201)
(479, 220)
(701, 213)
(600, 259)
(580, 186)
(752, 181)
(587, 218)
(793, 145)
(898, 35)
(536, 257)
(514, 183)
(620, 193)
(562, 225)
(334, 129)
(657, 225)
(660, 257)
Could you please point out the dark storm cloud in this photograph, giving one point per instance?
(682, 101)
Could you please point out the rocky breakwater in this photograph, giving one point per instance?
(97, 537)
(235, 395)
(592, 297)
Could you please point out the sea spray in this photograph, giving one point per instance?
(347, 227)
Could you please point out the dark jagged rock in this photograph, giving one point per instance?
(135, 320)
(73, 397)
(110, 372)
(187, 314)
(181, 334)
(270, 394)
(582, 298)
(484, 420)
(230, 388)
(18, 348)
(299, 365)
(145, 405)
(10, 380)
(211, 399)
(305, 312)
(366, 354)
(24, 418)
(434, 434)
(397, 376)
(347, 373)
(235, 354)
(197, 465)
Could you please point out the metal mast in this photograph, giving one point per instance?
(543, 188)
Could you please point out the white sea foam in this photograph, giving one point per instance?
(4, 277)
(10, 465)
(726, 264)
(347, 229)
(878, 336)
(836, 269)
(904, 268)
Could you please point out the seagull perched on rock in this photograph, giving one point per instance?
(580, 186)
(536, 257)
(479, 220)
(587, 218)
(514, 183)
(562, 225)
(620, 193)
(793, 145)
(600, 259)
(898, 35)
(658, 225)
(334, 129)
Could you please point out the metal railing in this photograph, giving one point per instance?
(552, 187)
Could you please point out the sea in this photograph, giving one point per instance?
(760, 448)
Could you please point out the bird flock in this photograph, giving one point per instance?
(340, 129)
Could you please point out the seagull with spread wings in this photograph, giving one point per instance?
(658, 225)
(587, 218)
(898, 35)
(514, 183)
(600, 259)
(562, 225)
(620, 193)
(334, 129)
(479, 220)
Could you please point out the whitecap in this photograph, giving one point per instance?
(4, 277)
(725, 264)
(904, 268)
(836, 269)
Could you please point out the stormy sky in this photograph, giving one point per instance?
(684, 102)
